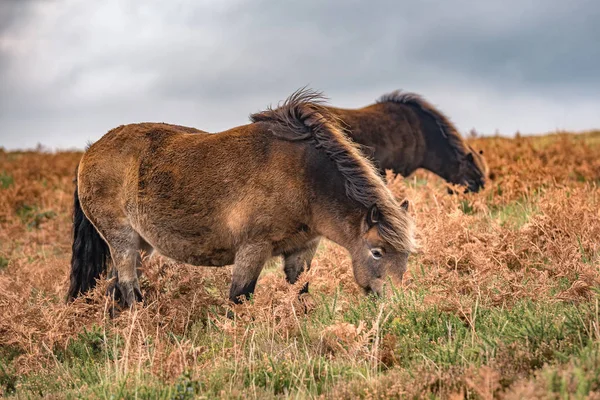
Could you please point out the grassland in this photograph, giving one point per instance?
(502, 300)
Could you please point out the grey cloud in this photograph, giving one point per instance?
(80, 69)
(13, 11)
(538, 44)
(542, 44)
(276, 44)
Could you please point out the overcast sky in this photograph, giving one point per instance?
(70, 70)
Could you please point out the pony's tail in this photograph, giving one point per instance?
(91, 253)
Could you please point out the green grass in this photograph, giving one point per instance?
(6, 180)
(532, 336)
(514, 214)
(31, 215)
(415, 181)
(588, 256)
(3, 262)
(8, 375)
(580, 379)
(590, 138)
(466, 207)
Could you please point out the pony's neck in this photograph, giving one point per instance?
(335, 216)
(439, 158)
(343, 230)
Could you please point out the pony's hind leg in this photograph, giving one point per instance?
(297, 262)
(125, 245)
(249, 262)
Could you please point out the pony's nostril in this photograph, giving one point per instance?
(375, 292)
(475, 186)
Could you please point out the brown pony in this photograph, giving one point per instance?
(242, 196)
(403, 132)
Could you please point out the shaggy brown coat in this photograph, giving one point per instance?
(270, 188)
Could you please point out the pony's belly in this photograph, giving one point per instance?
(191, 250)
(215, 257)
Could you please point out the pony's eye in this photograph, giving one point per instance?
(377, 253)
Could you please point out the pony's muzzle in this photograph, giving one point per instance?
(476, 186)
(375, 288)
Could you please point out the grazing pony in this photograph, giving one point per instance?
(273, 187)
(403, 132)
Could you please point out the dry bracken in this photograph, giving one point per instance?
(531, 237)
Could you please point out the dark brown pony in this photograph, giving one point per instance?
(403, 132)
(270, 188)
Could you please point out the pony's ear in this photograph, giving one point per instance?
(373, 216)
(404, 205)
(470, 157)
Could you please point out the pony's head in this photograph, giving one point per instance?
(473, 170)
(380, 255)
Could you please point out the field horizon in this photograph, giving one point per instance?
(470, 134)
(501, 301)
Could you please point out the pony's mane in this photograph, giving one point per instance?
(305, 117)
(447, 128)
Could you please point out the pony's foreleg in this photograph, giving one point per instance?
(249, 262)
(297, 262)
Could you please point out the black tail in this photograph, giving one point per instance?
(90, 252)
